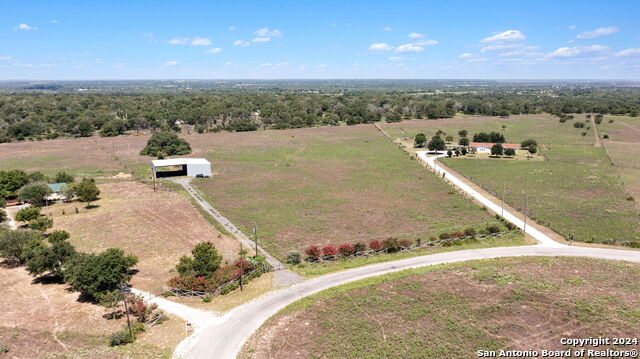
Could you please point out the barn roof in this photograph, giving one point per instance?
(180, 161)
(515, 146)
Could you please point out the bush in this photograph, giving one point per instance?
(528, 143)
(456, 234)
(28, 214)
(121, 337)
(3, 215)
(63, 177)
(41, 224)
(493, 228)
(444, 236)
(229, 288)
(510, 226)
(206, 299)
(375, 245)
(578, 124)
(359, 247)
(14, 243)
(204, 261)
(329, 251)
(346, 249)
(391, 244)
(313, 252)
(470, 232)
(293, 257)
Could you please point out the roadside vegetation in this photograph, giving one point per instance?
(453, 310)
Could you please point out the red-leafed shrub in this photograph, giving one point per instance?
(346, 249)
(246, 266)
(313, 252)
(329, 251)
(444, 235)
(406, 243)
(375, 244)
(456, 234)
(225, 274)
(200, 284)
(359, 246)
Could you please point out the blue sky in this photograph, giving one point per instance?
(140, 39)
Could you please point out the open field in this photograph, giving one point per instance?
(451, 311)
(326, 186)
(47, 321)
(158, 227)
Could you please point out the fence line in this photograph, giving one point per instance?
(217, 291)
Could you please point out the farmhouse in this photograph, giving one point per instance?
(57, 190)
(192, 167)
(485, 147)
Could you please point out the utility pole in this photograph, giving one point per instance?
(526, 212)
(241, 265)
(126, 310)
(255, 237)
(504, 186)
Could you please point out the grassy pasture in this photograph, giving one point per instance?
(450, 311)
(327, 186)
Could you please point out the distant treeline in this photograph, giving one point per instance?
(50, 115)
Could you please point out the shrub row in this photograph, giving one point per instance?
(222, 278)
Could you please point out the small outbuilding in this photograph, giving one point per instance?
(192, 167)
(485, 147)
(57, 192)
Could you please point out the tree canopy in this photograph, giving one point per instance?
(436, 144)
(165, 143)
(34, 193)
(87, 191)
(493, 137)
(204, 261)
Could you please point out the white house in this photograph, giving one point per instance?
(485, 147)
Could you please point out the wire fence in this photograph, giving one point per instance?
(221, 289)
(411, 248)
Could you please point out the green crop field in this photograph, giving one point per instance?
(451, 311)
(329, 185)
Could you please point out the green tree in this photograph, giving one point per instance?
(42, 258)
(34, 193)
(13, 243)
(449, 153)
(436, 144)
(112, 128)
(419, 140)
(449, 138)
(528, 143)
(463, 141)
(38, 176)
(28, 214)
(497, 150)
(533, 150)
(204, 261)
(64, 177)
(165, 143)
(41, 223)
(510, 152)
(11, 181)
(95, 274)
(87, 191)
(462, 133)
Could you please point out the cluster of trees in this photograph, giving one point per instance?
(166, 143)
(203, 272)
(492, 137)
(50, 115)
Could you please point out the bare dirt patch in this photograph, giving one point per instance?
(158, 227)
(454, 310)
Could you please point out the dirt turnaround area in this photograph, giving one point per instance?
(452, 311)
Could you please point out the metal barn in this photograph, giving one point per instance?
(191, 167)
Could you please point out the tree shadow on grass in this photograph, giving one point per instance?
(47, 279)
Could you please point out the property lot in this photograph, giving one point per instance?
(158, 227)
(451, 311)
(327, 186)
(48, 321)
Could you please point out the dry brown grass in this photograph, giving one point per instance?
(158, 227)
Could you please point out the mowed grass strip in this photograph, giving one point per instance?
(575, 192)
(327, 186)
(451, 311)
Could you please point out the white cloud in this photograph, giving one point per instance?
(171, 63)
(232, 28)
(601, 31)
(466, 55)
(200, 41)
(409, 48)
(266, 64)
(182, 41)
(215, 50)
(573, 27)
(425, 42)
(415, 35)
(577, 51)
(54, 21)
(387, 28)
(380, 46)
(5, 58)
(396, 58)
(25, 27)
(629, 52)
(266, 32)
(509, 35)
(261, 39)
(241, 43)
(498, 47)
